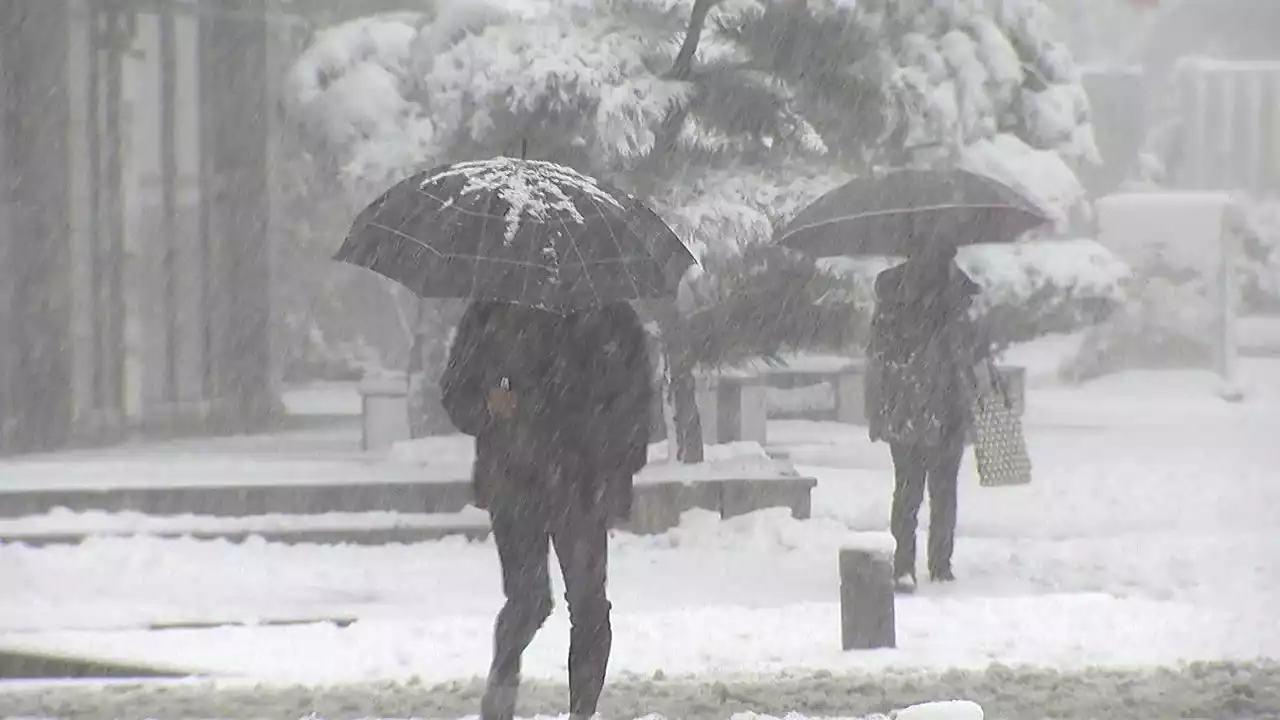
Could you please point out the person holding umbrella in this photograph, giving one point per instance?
(924, 346)
(549, 371)
(559, 407)
(927, 355)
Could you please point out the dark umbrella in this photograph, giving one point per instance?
(893, 213)
(525, 231)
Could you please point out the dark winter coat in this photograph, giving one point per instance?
(583, 388)
(924, 346)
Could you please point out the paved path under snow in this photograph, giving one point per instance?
(1146, 539)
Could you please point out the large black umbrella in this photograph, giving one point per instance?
(524, 231)
(898, 212)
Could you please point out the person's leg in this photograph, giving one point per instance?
(521, 535)
(943, 471)
(908, 493)
(582, 545)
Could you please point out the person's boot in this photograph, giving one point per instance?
(499, 700)
(904, 584)
(942, 575)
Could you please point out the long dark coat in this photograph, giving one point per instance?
(583, 386)
(924, 346)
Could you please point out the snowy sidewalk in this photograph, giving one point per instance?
(1146, 539)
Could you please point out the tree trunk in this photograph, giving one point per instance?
(680, 391)
(428, 357)
(684, 400)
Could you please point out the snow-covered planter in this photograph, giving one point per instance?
(1167, 321)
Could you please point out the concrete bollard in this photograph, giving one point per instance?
(867, 620)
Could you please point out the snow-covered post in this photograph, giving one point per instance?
(867, 618)
(1228, 302)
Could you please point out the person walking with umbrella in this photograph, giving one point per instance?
(559, 407)
(927, 355)
(549, 371)
(924, 346)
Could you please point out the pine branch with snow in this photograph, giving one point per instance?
(933, 82)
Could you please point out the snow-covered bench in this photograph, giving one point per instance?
(657, 505)
(737, 406)
(844, 383)
(734, 406)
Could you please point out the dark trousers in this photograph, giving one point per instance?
(524, 529)
(916, 467)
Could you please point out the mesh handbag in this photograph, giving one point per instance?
(998, 443)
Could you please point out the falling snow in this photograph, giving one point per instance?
(168, 222)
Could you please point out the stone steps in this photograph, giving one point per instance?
(657, 506)
(372, 535)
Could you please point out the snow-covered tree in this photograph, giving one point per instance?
(608, 87)
(987, 85)
(727, 115)
(822, 87)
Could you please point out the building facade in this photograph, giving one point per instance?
(135, 220)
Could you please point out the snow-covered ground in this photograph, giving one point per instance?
(1147, 538)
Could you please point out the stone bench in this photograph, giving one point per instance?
(732, 408)
(735, 407)
(656, 507)
(384, 412)
(846, 383)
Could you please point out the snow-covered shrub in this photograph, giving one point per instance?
(1167, 321)
(1260, 264)
(1042, 176)
(1169, 317)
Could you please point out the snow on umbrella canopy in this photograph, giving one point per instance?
(525, 231)
(907, 211)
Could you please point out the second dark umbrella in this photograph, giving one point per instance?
(887, 214)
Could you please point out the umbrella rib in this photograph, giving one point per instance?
(473, 213)
(573, 243)
(898, 211)
(621, 252)
(408, 221)
(401, 234)
(532, 250)
(475, 272)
